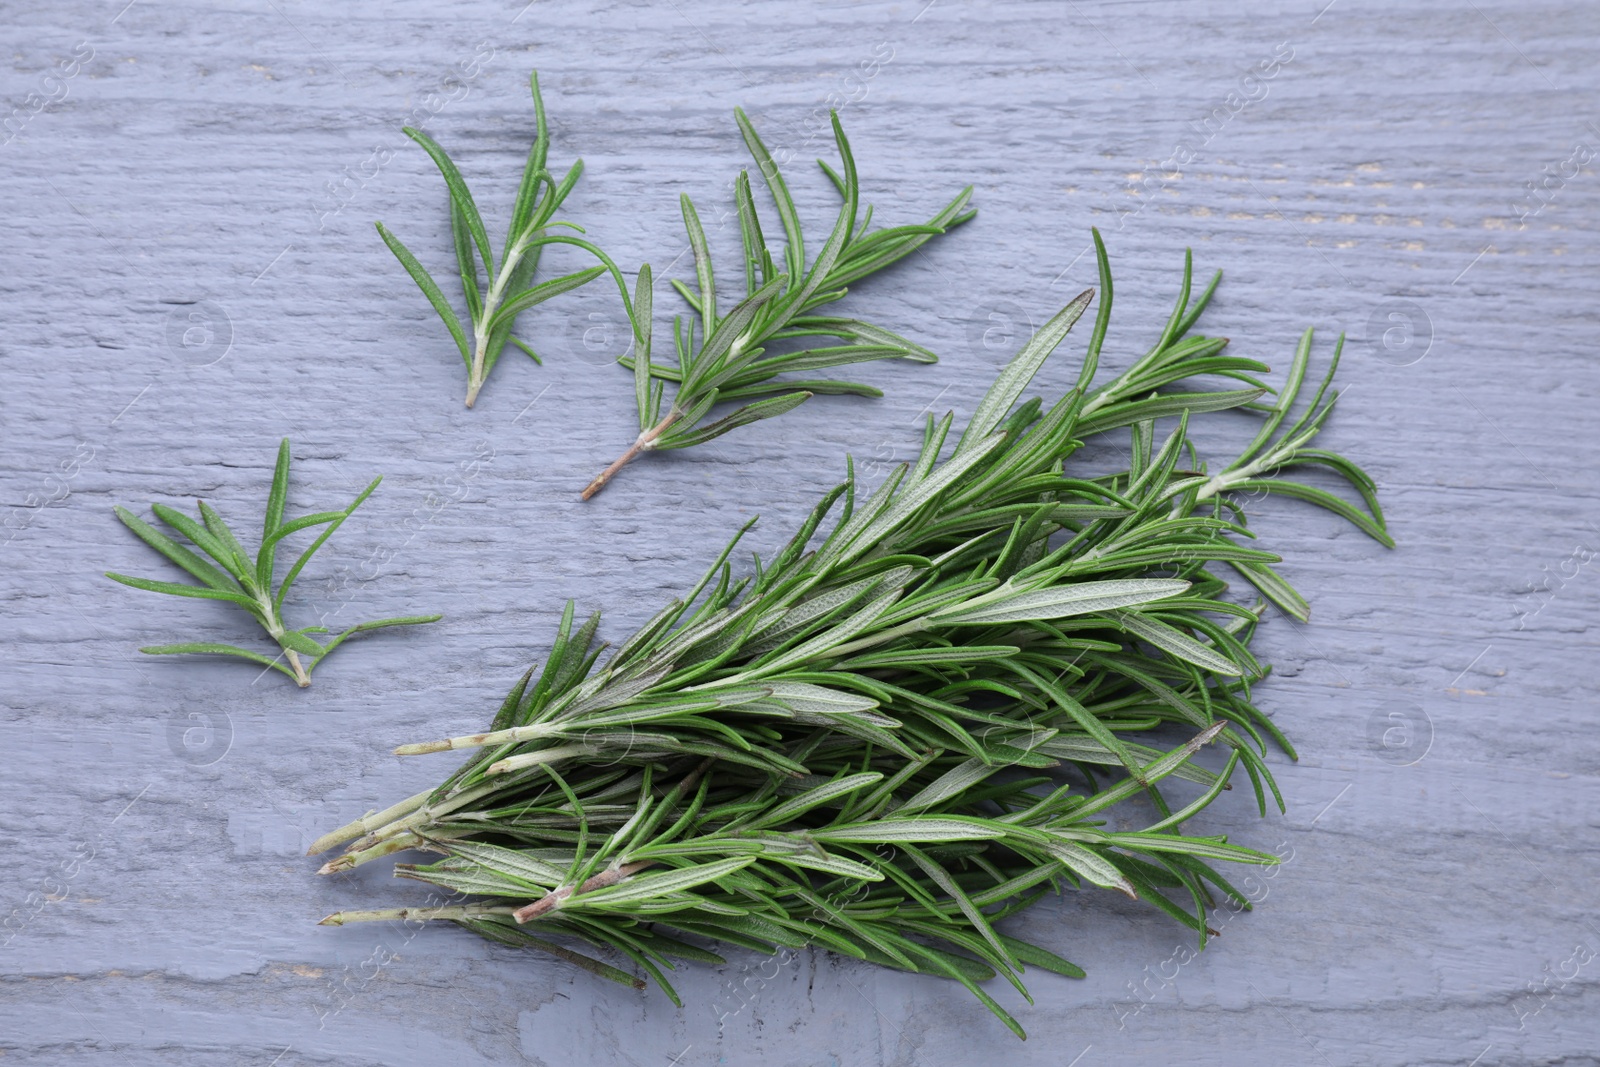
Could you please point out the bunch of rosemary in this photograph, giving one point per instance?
(852, 746)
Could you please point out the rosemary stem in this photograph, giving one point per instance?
(475, 372)
(480, 334)
(535, 759)
(480, 328)
(368, 823)
(458, 911)
(383, 848)
(643, 443)
(421, 816)
(1227, 479)
(300, 675)
(553, 899)
(275, 628)
(497, 737)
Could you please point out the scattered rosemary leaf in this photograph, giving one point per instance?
(723, 357)
(496, 294)
(239, 578)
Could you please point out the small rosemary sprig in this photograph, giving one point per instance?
(497, 295)
(885, 742)
(729, 361)
(246, 580)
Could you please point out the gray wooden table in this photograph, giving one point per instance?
(190, 273)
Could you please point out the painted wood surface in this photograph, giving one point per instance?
(190, 273)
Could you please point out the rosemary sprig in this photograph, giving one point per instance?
(727, 359)
(497, 295)
(238, 578)
(849, 747)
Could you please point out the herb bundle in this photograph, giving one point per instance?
(246, 580)
(497, 295)
(728, 361)
(885, 743)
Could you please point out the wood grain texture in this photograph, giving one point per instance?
(190, 273)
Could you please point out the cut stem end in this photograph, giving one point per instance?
(644, 443)
(300, 676)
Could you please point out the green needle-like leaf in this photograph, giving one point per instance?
(707, 300)
(1176, 642)
(643, 309)
(794, 240)
(534, 171)
(211, 648)
(763, 409)
(430, 289)
(464, 261)
(1275, 589)
(305, 557)
(295, 641)
(1321, 497)
(460, 196)
(647, 886)
(1059, 603)
(277, 499)
(378, 624)
(203, 539)
(175, 552)
(179, 589)
(1010, 383)
(230, 544)
(515, 305)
